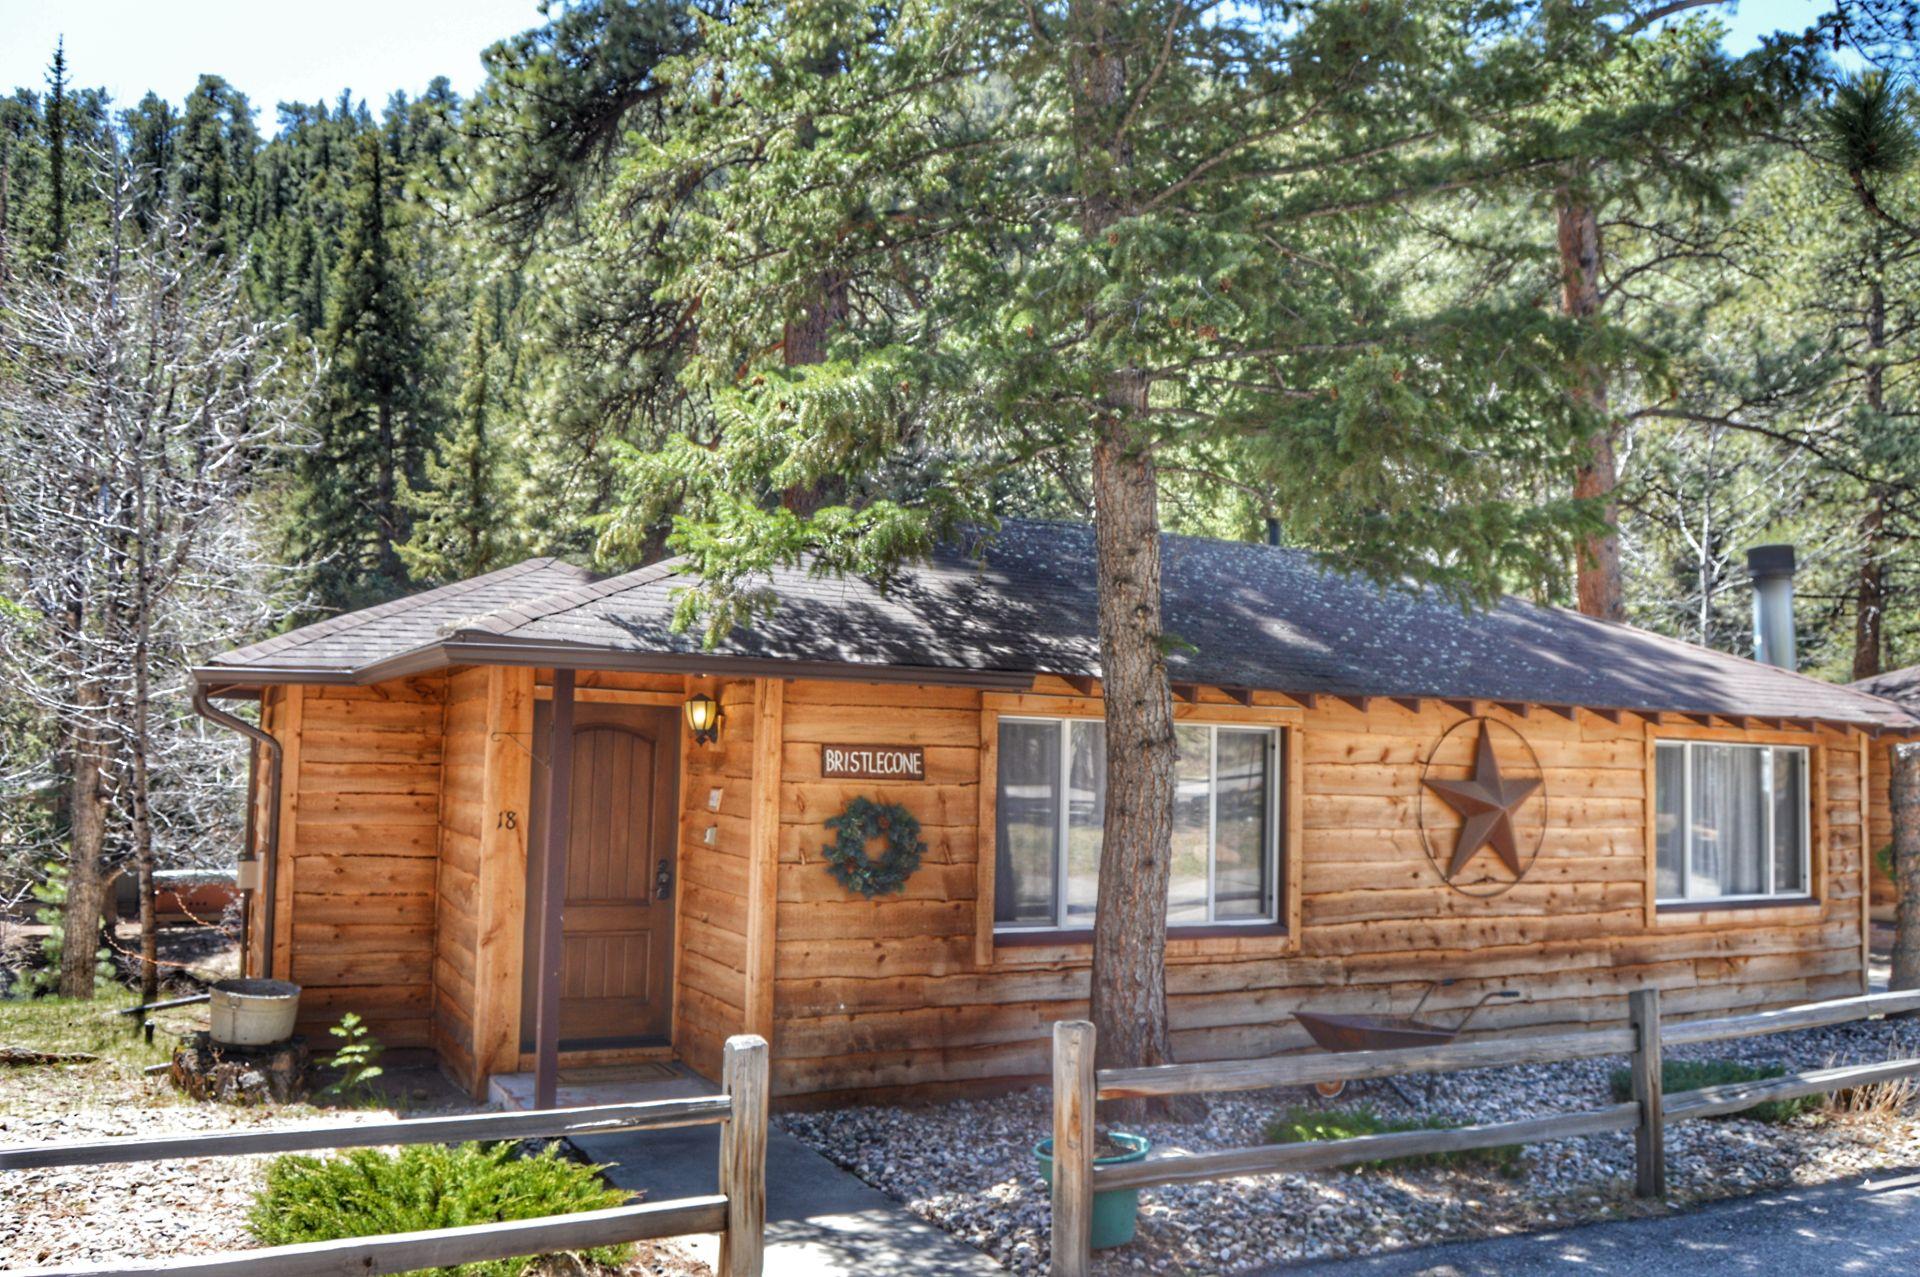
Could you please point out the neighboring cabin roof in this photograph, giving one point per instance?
(1902, 687)
(1247, 616)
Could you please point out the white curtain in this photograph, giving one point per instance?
(1731, 790)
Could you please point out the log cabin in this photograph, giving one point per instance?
(1902, 687)
(522, 821)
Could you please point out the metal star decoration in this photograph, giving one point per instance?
(1486, 805)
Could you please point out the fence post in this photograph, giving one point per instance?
(743, 1156)
(1650, 1137)
(1073, 1099)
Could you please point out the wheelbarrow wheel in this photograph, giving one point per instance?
(1330, 1090)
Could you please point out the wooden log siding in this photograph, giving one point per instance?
(360, 843)
(381, 910)
(480, 898)
(710, 967)
(1880, 820)
(891, 994)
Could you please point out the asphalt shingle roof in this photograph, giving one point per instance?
(354, 640)
(1902, 687)
(1246, 615)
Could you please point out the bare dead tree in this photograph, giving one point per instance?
(139, 405)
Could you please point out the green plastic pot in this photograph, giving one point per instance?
(1116, 1210)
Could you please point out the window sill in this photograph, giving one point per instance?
(1723, 906)
(1038, 937)
(1712, 913)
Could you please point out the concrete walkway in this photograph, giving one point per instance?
(1869, 1226)
(821, 1221)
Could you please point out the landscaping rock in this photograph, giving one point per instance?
(968, 1166)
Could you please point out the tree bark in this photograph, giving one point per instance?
(1129, 999)
(1870, 591)
(1129, 985)
(1599, 587)
(1869, 632)
(804, 341)
(87, 838)
(140, 742)
(1904, 785)
(386, 493)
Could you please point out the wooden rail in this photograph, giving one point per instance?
(1077, 1086)
(598, 1119)
(737, 1213)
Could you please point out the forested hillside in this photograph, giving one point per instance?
(1575, 303)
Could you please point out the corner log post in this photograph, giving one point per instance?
(1073, 1134)
(553, 887)
(1650, 1136)
(743, 1156)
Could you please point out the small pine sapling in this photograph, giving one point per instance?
(356, 1061)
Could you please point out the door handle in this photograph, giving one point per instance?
(663, 882)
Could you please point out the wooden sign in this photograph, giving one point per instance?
(873, 762)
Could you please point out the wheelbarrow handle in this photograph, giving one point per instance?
(1431, 986)
(1484, 999)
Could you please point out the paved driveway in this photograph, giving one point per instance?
(1869, 1226)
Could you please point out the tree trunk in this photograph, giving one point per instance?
(1129, 986)
(139, 744)
(387, 494)
(1600, 590)
(1129, 997)
(1903, 783)
(1870, 591)
(1869, 632)
(86, 888)
(803, 342)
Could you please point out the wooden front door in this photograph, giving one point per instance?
(617, 917)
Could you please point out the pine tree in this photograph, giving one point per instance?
(153, 139)
(375, 416)
(461, 514)
(56, 126)
(1099, 240)
(217, 145)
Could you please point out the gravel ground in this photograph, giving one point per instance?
(968, 1167)
(88, 1213)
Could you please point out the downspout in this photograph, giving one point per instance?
(213, 714)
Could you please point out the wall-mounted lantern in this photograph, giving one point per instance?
(703, 716)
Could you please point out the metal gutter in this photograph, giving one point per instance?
(213, 714)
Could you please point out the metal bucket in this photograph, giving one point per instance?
(253, 1012)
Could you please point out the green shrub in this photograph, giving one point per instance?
(1302, 1125)
(1691, 1075)
(367, 1191)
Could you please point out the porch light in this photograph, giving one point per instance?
(703, 716)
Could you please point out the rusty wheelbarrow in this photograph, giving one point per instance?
(1339, 1033)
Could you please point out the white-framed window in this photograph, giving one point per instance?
(1050, 808)
(1730, 822)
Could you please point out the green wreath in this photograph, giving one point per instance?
(862, 822)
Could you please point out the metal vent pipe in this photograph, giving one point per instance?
(1771, 567)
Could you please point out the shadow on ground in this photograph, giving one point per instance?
(1863, 1226)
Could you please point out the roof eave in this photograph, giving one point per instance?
(479, 648)
(475, 649)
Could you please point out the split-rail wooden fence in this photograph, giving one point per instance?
(1077, 1086)
(737, 1212)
